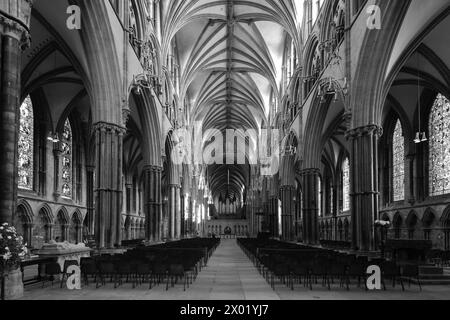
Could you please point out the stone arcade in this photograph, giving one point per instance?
(90, 116)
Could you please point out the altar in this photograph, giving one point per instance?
(61, 252)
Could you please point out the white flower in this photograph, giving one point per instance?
(7, 256)
(7, 249)
(9, 238)
(5, 224)
(1, 228)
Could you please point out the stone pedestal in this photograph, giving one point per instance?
(13, 285)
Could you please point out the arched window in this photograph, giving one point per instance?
(26, 146)
(439, 127)
(398, 163)
(67, 160)
(346, 185)
(320, 198)
(133, 22)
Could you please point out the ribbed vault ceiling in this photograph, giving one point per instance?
(231, 58)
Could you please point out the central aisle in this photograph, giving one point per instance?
(230, 275)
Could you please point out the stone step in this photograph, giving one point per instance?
(435, 277)
(431, 270)
(429, 282)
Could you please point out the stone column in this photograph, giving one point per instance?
(65, 232)
(183, 198)
(56, 165)
(178, 220)
(409, 181)
(90, 172)
(128, 198)
(190, 216)
(108, 184)
(288, 209)
(172, 211)
(364, 185)
(28, 234)
(310, 178)
(274, 218)
(152, 202)
(49, 232)
(158, 18)
(14, 37)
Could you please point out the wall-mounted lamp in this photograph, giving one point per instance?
(53, 137)
(420, 137)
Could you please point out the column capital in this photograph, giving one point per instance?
(153, 168)
(287, 187)
(371, 129)
(109, 127)
(15, 20)
(311, 171)
(126, 113)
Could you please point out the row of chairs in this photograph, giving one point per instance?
(439, 258)
(168, 263)
(292, 264)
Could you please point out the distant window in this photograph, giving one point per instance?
(67, 160)
(26, 146)
(319, 201)
(346, 185)
(398, 163)
(439, 143)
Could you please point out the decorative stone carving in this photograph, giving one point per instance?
(15, 20)
(109, 127)
(364, 131)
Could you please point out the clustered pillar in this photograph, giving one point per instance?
(174, 212)
(153, 203)
(14, 35)
(287, 212)
(108, 188)
(310, 179)
(90, 172)
(364, 182)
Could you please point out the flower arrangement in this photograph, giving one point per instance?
(382, 223)
(12, 248)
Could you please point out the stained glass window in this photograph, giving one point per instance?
(319, 202)
(67, 160)
(346, 185)
(439, 127)
(133, 22)
(398, 163)
(331, 199)
(26, 145)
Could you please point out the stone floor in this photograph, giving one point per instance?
(230, 276)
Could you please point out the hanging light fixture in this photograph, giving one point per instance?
(53, 137)
(420, 136)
